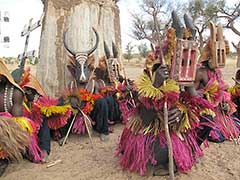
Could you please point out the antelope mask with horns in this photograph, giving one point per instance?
(81, 61)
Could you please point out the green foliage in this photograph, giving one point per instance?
(150, 23)
(202, 12)
(143, 50)
(129, 51)
(33, 60)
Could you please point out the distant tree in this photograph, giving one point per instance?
(231, 14)
(151, 22)
(129, 51)
(143, 50)
(202, 12)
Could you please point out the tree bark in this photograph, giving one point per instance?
(79, 16)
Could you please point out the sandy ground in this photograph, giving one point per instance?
(81, 162)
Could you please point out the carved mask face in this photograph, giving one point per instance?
(112, 62)
(30, 93)
(82, 70)
(114, 68)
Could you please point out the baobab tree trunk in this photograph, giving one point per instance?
(79, 16)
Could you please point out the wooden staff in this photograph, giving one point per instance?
(69, 129)
(165, 112)
(87, 121)
(169, 142)
(54, 163)
(166, 128)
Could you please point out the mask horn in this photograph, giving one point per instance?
(176, 24)
(106, 50)
(189, 24)
(73, 53)
(115, 51)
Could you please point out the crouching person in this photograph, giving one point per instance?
(46, 112)
(15, 137)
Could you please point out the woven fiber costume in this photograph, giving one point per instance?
(211, 86)
(143, 140)
(235, 96)
(15, 131)
(45, 112)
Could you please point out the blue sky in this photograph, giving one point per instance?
(22, 10)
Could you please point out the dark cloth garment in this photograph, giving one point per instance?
(204, 131)
(3, 166)
(148, 115)
(236, 115)
(220, 138)
(99, 114)
(237, 102)
(160, 153)
(114, 113)
(44, 137)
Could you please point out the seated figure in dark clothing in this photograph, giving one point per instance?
(82, 69)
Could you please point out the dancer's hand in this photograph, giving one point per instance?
(161, 75)
(174, 115)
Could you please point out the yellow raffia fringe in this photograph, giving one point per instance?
(146, 89)
(24, 123)
(26, 107)
(211, 90)
(135, 124)
(185, 124)
(153, 128)
(235, 90)
(207, 111)
(187, 115)
(50, 110)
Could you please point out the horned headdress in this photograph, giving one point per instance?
(184, 62)
(79, 60)
(179, 50)
(216, 48)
